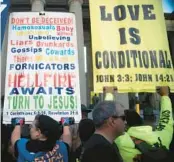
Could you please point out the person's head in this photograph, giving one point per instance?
(109, 115)
(85, 111)
(133, 118)
(163, 91)
(45, 128)
(86, 129)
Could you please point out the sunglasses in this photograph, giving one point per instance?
(123, 117)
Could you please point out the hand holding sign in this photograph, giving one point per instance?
(163, 91)
(18, 121)
(67, 121)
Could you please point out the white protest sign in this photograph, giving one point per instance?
(42, 75)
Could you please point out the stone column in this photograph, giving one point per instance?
(89, 81)
(37, 5)
(3, 61)
(75, 6)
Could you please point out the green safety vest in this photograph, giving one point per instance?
(164, 130)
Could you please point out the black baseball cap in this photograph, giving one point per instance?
(85, 109)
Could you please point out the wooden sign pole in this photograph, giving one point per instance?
(137, 107)
(109, 91)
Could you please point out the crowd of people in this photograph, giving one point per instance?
(114, 134)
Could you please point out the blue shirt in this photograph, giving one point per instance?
(58, 154)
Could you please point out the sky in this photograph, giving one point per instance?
(168, 6)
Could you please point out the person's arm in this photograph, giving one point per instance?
(165, 126)
(166, 117)
(16, 135)
(66, 137)
(76, 142)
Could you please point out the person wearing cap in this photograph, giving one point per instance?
(137, 129)
(85, 111)
(44, 144)
(95, 99)
(109, 121)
